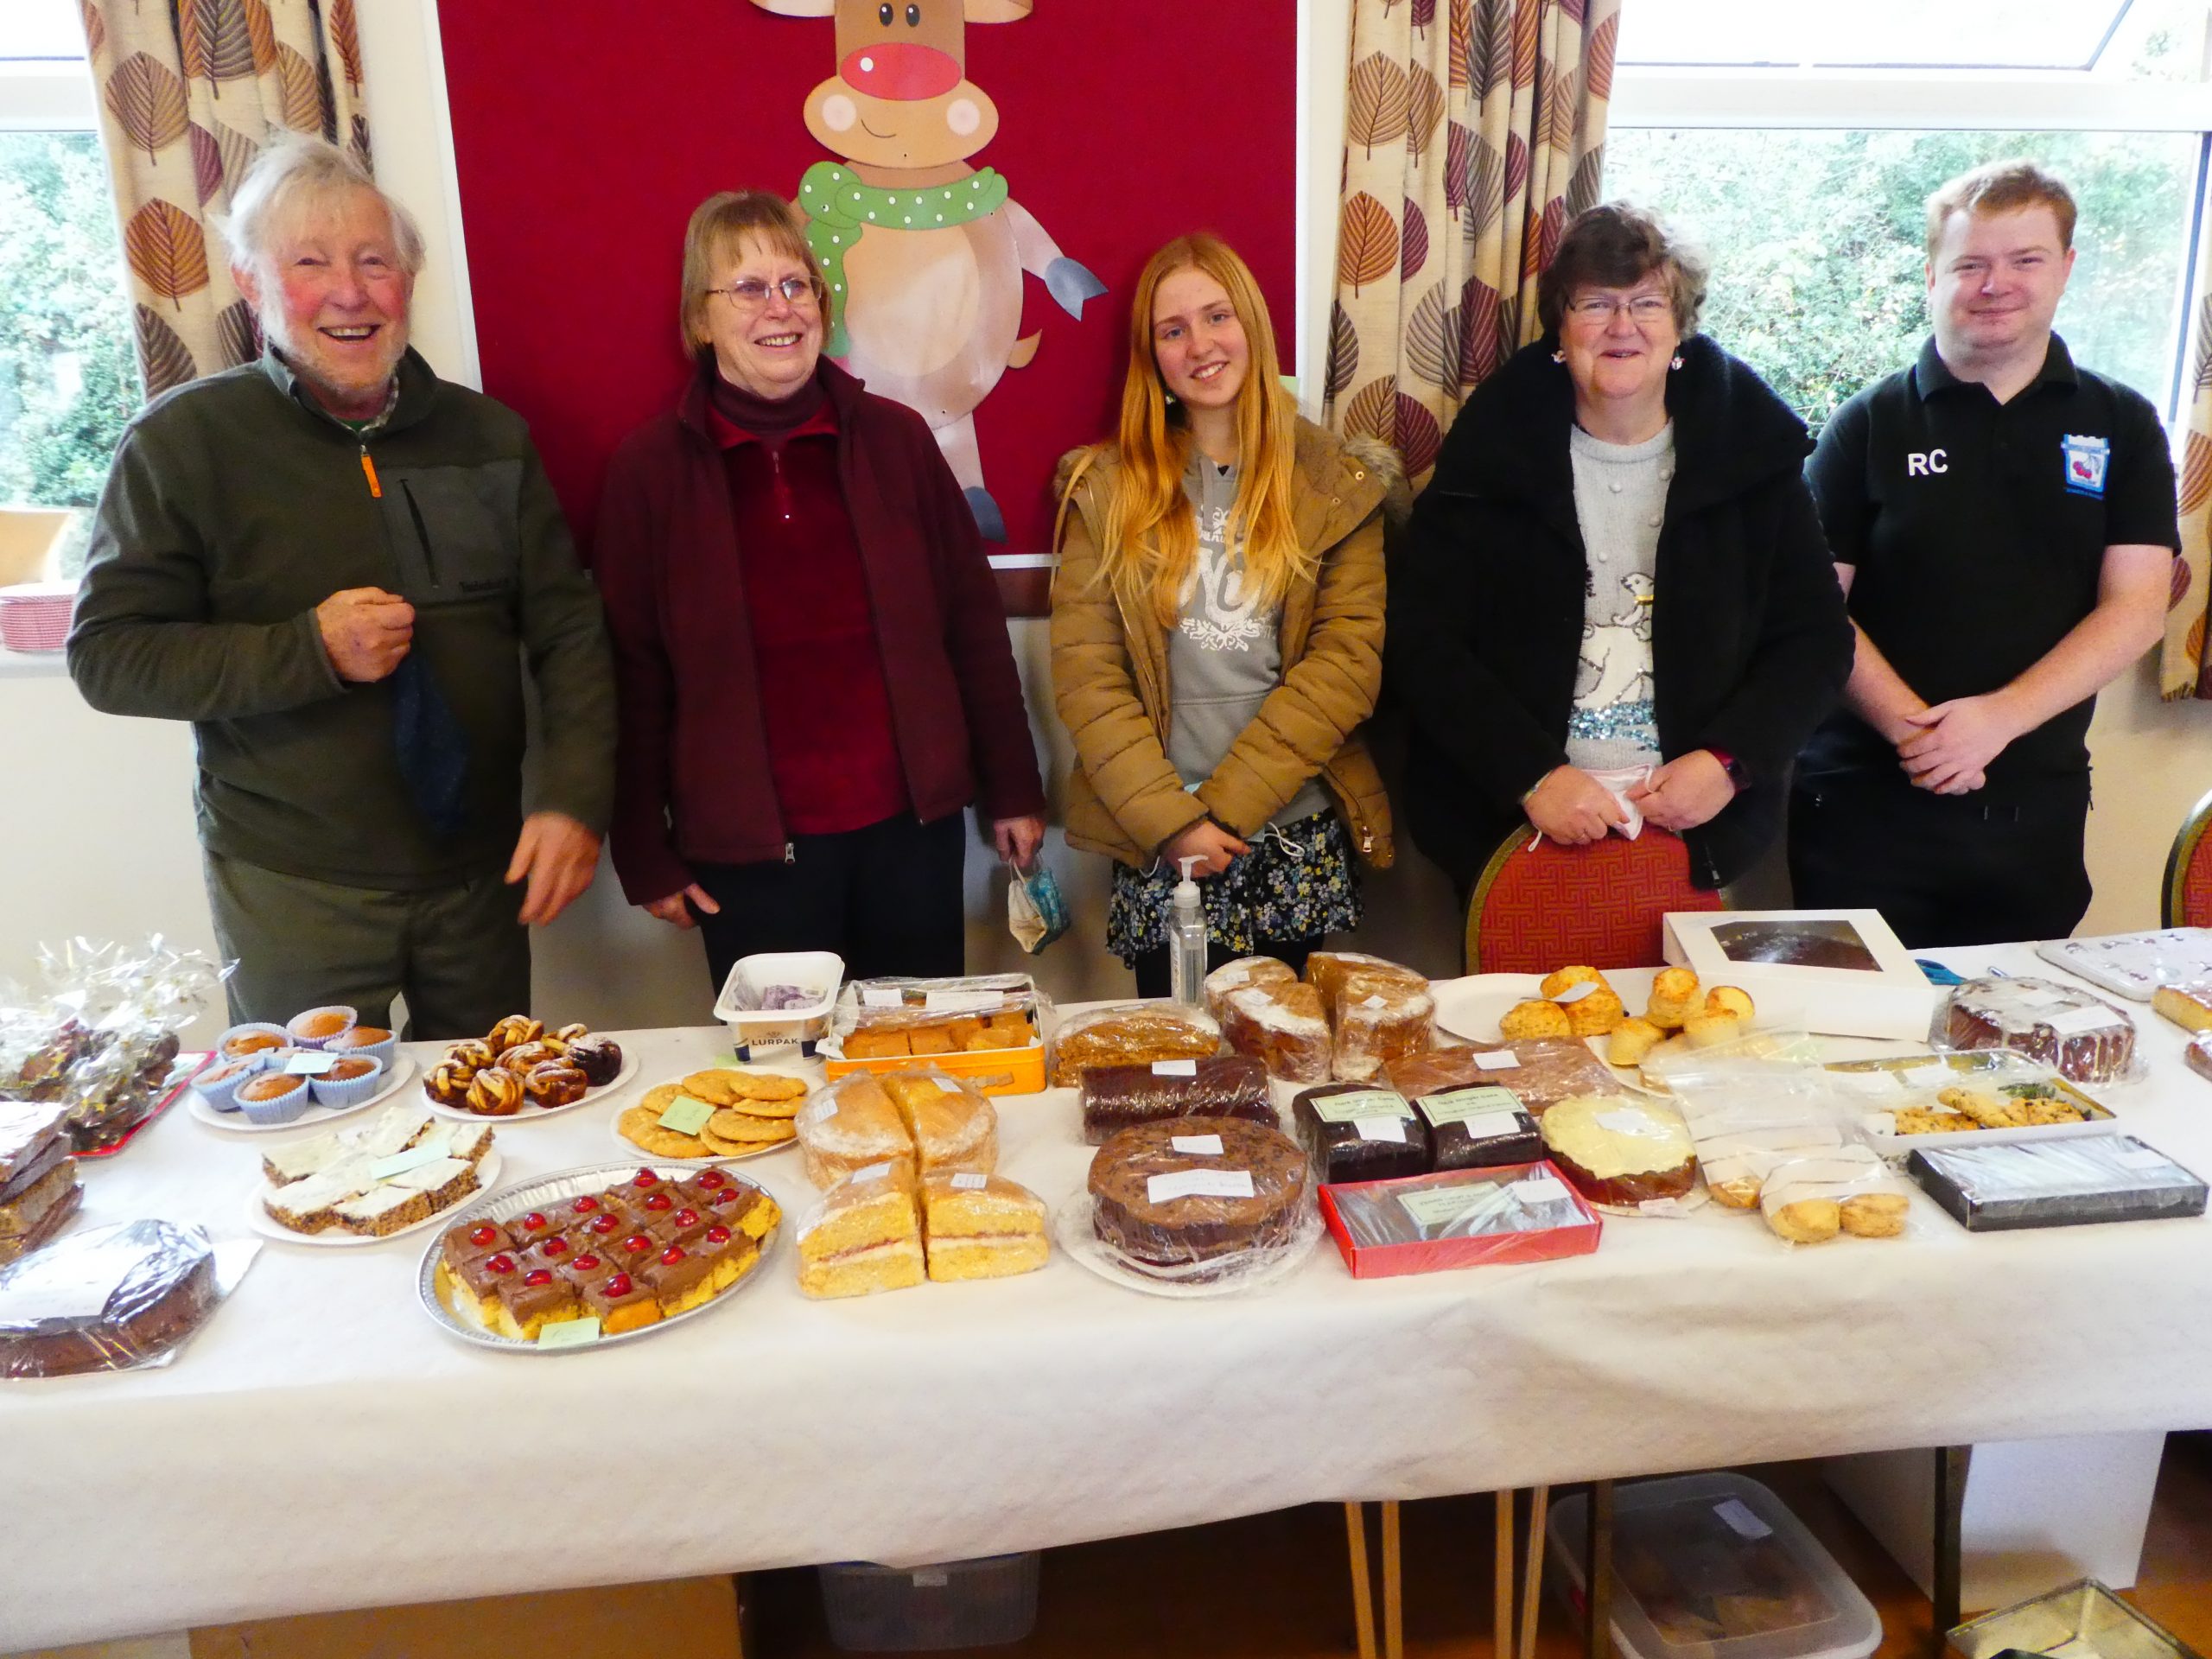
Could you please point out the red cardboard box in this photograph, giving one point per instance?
(1343, 1205)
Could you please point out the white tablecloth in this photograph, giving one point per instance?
(321, 1445)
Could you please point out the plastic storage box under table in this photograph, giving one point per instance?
(978, 1604)
(1715, 1566)
(2082, 1620)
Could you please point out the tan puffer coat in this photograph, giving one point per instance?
(1109, 671)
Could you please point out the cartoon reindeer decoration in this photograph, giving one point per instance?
(924, 254)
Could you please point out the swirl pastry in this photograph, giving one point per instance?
(555, 1082)
(523, 1055)
(447, 1084)
(514, 1032)
(495, 1092)
(472, 1055)
(562, 1040)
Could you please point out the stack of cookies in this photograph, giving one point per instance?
(746, 1111)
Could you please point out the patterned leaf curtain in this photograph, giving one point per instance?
(1474, 131)
(190, 92)
(2182, 671)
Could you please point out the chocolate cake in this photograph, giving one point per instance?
(1196, 1235)
(105, 1300)
(2081, 1037)
(1353, 1132)
(1479, 1126)
(1116, 1098)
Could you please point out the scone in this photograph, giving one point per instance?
(1708, 1030)
(1874, 1215)
(1808, 1221)
(1561, 979)
(1596, 1013)
(1730, 999)
(1674, 998)
(1534, 1018)
(1631, 1040)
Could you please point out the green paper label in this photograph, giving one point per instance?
(686, 1115)
(1460, 1105)
(1362, 1103)
(1439, 1206)
(400, 1162)
(568, 1333)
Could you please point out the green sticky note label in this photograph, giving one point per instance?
(1439, 1206)
(568, 1333)
(400, 1162)
(1362, 1103)
(1458, 1105)
(686, 1115)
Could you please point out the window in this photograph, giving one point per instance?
(69, 380)
(1798, 146)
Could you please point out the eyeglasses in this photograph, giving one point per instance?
(751, 291)
(1604, 308)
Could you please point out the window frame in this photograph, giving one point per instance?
(46, 95)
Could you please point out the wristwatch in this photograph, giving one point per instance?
(1739, 773)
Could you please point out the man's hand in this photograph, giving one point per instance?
(1206, 840)
(1955, 742)
(557, 855)
(1688, 791)
(1573, 808)
(366, 631)
(674, 911)
(1018, 839)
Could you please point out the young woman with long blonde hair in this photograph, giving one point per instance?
(1217, 633)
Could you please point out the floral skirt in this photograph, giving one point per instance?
(1298, 881)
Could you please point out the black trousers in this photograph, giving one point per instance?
(1155, 977)
(887, 897)
(1943, 869)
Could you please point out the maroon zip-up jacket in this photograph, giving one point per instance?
(692, 775)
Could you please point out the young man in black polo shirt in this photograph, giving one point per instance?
(2004, 524)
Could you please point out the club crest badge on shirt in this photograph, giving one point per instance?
(2086, 458)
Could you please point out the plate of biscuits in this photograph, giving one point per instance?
(721, 1113)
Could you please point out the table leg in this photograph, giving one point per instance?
(737, 1610)
(1598, 1638)
(1394, 1610)
(1362, 1594)
(1501, 1601)
(1533, 1581)
(1950, 1529)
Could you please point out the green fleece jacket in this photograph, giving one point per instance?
(235, 506)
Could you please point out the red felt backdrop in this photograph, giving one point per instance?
(587, 130)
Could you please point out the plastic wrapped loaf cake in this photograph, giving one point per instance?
(1131, 1034)
(1236, 976)
(1539, 1070)
(1282, 1025)
(2081, 1037)
(1479, 1126)
(1116, 1097)
(1193, 1214)
(1378, 1011)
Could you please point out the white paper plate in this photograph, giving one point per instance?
(552, 1189)
(260, 1219)
(395, 1077)
(1081, 1241)
(530, 1114)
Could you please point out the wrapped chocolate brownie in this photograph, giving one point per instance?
(1353, 1132)
(1482, 1125)
(1226, 1085)
(2057, 1183)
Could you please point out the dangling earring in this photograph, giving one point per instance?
(1559, 356)
(1677, 363)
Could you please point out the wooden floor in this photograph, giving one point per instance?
(1276, 1585)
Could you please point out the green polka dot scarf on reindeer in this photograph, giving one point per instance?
(839, 207)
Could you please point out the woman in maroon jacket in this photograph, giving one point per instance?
(813, 662)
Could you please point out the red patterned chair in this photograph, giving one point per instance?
(2186, 900)
(1538, 907)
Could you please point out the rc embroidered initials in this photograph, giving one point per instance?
(1919, 465)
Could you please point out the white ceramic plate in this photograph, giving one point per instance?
(395, 1077)
(530, 1114)
(260, 1219)
(1472, 1008)
(796, 1072)
(1080, 1241)
(552, 1189)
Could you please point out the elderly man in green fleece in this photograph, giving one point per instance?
(335, 565)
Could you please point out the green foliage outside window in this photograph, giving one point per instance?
(1815, 243)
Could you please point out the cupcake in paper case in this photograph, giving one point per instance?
(352, 1080)
(369, 1042)
(318, 1028)
(273, 1098)
(219, 1082)
(256, 1037)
